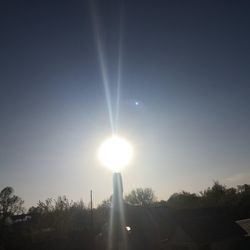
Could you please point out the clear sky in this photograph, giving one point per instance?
(184, 96)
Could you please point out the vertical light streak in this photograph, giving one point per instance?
(116, 216)
(110, 231)
(102, 61)
(118, 238)
(122, 219)
(119, 67)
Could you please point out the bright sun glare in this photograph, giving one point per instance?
(115, 153)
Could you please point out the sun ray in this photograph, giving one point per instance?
(119, 68)
(102, 62)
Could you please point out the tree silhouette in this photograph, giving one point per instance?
(10, 204)
(183, 200)
(141, 197)
(105, 203)
(215, 195)
(60, 215)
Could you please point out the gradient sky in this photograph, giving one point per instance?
(184, 99)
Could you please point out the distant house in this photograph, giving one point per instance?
(18, 219)
(164, 228)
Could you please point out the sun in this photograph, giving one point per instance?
(115, 153)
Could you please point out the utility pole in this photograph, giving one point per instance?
(91, 209)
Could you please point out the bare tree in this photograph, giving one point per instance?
(141, 197)
(106, 204)
(10, 204)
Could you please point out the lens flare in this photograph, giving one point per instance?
(115, 153)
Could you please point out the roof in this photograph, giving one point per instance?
(245, 224)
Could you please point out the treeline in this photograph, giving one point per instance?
(51, 224)
(61, 221)
(216, 196)
(235, 202)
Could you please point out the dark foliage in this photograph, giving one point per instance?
(64, 224)
(10, 204)
(234, 201)
(141, 197)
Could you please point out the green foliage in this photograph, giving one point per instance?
(141, 197)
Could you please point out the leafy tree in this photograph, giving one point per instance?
(161, 203)
(183, 200)
(243, 192)
(214, 196)
(243, 189)
(141, 197)
(10, 204)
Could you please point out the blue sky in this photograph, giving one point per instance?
(185, 62)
